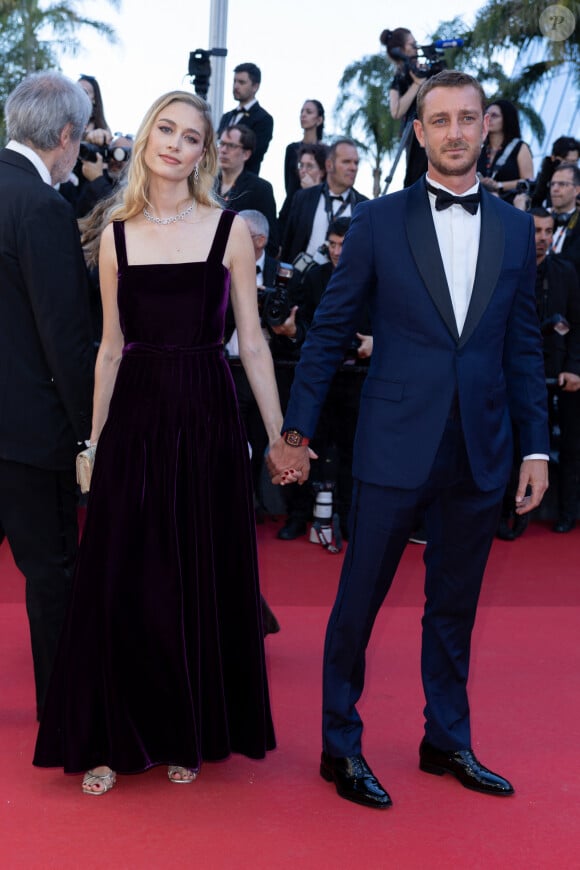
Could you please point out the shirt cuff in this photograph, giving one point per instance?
(536, 456)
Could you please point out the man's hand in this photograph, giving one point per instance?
(93, 170)
(533, 473)
(569, 382)
(288, 328)
(365, 347)
(288, 464)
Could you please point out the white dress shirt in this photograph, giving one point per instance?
(320, 222)
(458, 234)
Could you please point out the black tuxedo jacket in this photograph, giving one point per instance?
(46, 347)
(298, 227)
(571, 247)
(251, 191)
(561, 296)
(258, 120)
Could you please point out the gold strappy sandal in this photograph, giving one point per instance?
(105, 781)
(186, 774)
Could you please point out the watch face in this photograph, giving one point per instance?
(293, 438)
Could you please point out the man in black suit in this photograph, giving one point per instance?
(238, 188)
(447, 271)
(314, 208)
(46, 356)
(247, 78)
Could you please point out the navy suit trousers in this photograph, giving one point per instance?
(460, 521)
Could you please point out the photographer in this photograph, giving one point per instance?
(101, 168)
(402, 49)
(564, 150)
(505, 162)
(558, 306)
(313, 208)
(338, 419)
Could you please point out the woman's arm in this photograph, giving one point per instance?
(254, 351)
(111, 347)
(401, 103)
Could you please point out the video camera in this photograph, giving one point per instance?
(429, 60)
(88, 152)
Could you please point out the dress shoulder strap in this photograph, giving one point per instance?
(120, 246)
(221, 237)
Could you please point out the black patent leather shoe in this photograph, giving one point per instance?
(292, 529)
(465, 767)
(354, 780)
(565, 524)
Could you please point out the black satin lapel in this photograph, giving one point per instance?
(425, 249)
(489, 260)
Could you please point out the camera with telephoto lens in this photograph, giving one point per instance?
(88, 152)
(275, 303)
(430, 57)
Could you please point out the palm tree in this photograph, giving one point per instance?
(34, 36)
(363, 110)
(502, 27)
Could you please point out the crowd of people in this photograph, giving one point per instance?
(154, 334)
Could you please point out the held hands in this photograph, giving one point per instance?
(533, 474)
(288, 464)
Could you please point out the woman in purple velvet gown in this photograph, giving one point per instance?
(162, 656)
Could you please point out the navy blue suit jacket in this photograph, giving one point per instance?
(391, 262)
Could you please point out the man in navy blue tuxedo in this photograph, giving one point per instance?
(447, 271)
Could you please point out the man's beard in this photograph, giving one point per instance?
(459, 167)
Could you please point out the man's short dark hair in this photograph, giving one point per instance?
(563, 145)
(540, 212)
(573, 168)
(247, 136)
(449, 78)
(344, 140)
(252, 70)
(338, 227)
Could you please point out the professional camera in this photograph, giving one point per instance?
(275, 303)
(429, 60)
(88, 152)
(304, 262)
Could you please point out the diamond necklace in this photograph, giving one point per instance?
(170, 220)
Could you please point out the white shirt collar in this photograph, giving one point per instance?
(473, 189)
(244, 107)
(34, 158)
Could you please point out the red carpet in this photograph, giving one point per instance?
(279, 813)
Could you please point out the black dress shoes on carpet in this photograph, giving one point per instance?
(292, 529)
(465, 767)
(354, 780)
(564, 524)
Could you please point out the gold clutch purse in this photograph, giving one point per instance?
(84, 465)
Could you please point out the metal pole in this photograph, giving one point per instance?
(218, 27)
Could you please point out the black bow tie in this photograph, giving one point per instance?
(444, 199)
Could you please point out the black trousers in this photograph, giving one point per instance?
(38, 512)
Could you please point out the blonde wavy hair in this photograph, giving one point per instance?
(136, 196)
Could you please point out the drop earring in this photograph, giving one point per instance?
(195, 174)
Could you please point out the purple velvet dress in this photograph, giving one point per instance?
(162, 655)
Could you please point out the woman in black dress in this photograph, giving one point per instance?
(162, 656)
(505, 160)
(312, 123)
